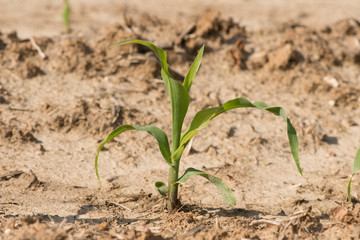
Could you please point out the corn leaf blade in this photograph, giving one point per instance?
(178, 94)
(357, 162)
(193, 70)
(180, 101)
(156, 132)
(226, 192)
(355, 170)
(203, 117)
(161, 188)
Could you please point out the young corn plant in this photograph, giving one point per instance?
(355, 169)
(179, 98)
(66, 15)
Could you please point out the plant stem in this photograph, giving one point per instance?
(173, 201)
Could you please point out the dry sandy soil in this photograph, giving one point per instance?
(55, 110)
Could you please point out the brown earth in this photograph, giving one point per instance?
(62, 93)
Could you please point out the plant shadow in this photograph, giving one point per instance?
(76, 218)
(221, 212)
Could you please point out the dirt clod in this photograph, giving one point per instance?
(283, 58)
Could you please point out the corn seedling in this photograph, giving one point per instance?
(179, 98)
(355, 169)
(66, 15)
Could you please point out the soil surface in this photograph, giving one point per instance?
(62, 92)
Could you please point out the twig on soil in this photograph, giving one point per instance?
(18, 109)
(297, 215)
(50, 217)
(307, 230)
(180, 208)
(260, 221)
(38, 49)
(334, 223)
(284, 222)
(125, 207)
(119, 205)
(13, 174)
(62, 223)
(217, 224)
(286, 226)
(192, 231)
(35, 182)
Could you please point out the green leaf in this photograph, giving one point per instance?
(193, 70)
(226, 192)
(349, 188)
(355, 169)
(357, 162)
(156, 132)
(178, 94)
(161, 188)
(180, 100)
(66, 15)
(203, 117)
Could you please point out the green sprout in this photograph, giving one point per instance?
(355, 169)
(179, 98)
(66, 15)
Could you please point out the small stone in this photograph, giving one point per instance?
(283, 58)
(207, 23)
(256, 60)
(331, 103)
(199, 218)
(331, 81)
